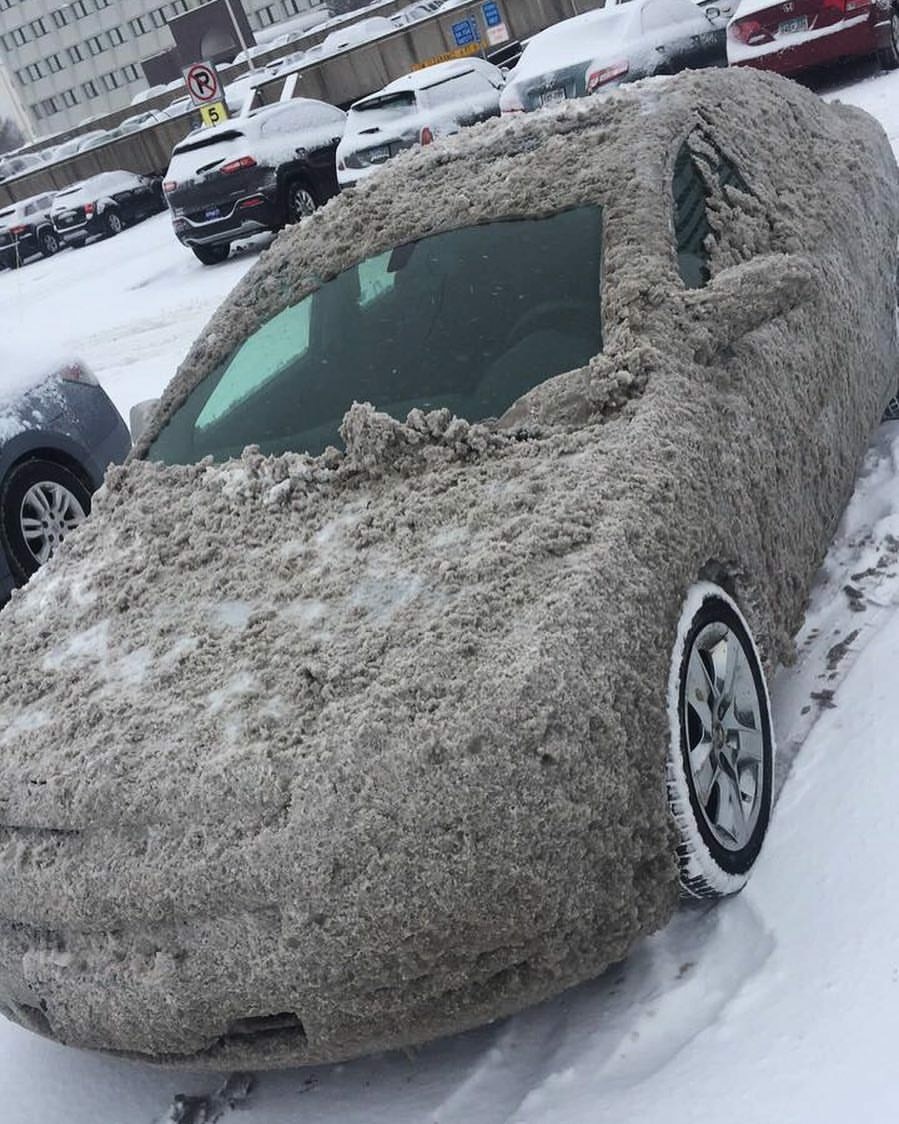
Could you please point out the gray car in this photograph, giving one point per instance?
(414, 664)
(58, 433)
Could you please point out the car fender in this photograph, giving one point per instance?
(56, 445)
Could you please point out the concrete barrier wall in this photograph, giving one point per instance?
(339, 79)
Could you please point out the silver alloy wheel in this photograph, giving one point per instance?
(723, 720)
(49, 244)
(302, 202)
(48, 513)
(114, 223)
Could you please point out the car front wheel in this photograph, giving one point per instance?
(721, 754)
(212, 255)
(889, 56)
(41, 502)
(300, 202)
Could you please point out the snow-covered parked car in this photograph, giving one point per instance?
(26, 230)
(58, 433)
(253, 173)
(435, 101)
(789, 36)
(345, 748)
(602, 49)
(104, 205)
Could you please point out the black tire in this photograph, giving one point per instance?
(889, 56)
(721, 754)
(113, 223)
(300, 200)
(17, 511)
(48, 243)
(212, 255)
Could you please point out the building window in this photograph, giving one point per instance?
(34, 71)
(101, 4)
(139, 26)
(54, 63)
(46, 108)
(20, 36)
(111, 81)
(265, 17)
(60, 17)
(130, 72)
(79, 7)
(157, 17)
(69, 98)
(21, 77)
(74, 53)
(95, 45)
(38, 28)
(115, 36)
(7, 42)
(89, 90)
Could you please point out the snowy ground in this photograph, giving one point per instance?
(780, 1004)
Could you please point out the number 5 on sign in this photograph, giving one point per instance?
(214, 114)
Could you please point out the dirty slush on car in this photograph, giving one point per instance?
(344, 752)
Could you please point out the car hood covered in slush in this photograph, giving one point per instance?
(392, 722)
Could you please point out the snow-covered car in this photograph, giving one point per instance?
(103, 205)
(603, 49)
(788, 36)
(435, 101)
(345, 748)
(354, 34)
(19, 165)
(58, 433)
(253, 173)
(26, 230)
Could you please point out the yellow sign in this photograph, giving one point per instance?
(459, 53)
(214, 114)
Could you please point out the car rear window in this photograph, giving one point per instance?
(387, 106)
(468, 320)
(207, 141)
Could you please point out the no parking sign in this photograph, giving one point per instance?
(205, 89)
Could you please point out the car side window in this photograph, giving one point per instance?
(694, 233)
(691, 223)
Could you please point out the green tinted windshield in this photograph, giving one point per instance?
(469, 320)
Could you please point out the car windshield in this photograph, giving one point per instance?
(468, 320)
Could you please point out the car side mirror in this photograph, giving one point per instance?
(140, 416)
(712, 13)
(744, 297)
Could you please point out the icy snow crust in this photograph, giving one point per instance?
(375, 742)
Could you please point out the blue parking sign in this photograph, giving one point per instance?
(492, 15)
(466, 32)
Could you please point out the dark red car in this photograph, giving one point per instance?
(792, 35)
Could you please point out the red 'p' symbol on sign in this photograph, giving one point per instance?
(203, 83)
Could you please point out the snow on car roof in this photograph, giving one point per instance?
(566, 42)
(430, 75)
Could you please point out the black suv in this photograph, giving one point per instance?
(253, 173)
(25, 230)
(104, 205)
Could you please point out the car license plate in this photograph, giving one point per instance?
(379, 155)
(65, 220)
(788, 27)
(213, 213)
(551, 97)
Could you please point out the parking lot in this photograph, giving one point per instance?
(658, 1037)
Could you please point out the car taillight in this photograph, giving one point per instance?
(169, 186)
(237, 165)
(749, 32)
(511, 102)
(75, 372)
(89, 208)
(605, 74)
(425, 136)
(18, 230)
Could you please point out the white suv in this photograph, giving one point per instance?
(415, 109)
